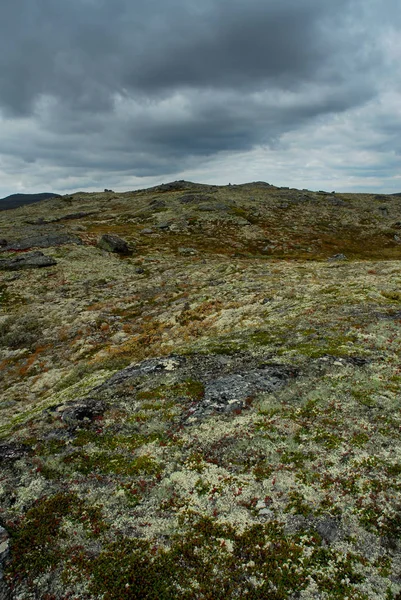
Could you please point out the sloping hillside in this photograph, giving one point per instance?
(212, 411)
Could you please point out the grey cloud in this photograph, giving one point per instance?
(82, 52)
(154, 87)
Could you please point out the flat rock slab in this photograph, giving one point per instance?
(229, 384)
(42, 241)
(31, 260)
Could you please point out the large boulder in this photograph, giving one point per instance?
(113, 243)
(30, 260)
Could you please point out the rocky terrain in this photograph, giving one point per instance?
(200, 395)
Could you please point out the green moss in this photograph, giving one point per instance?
(119, 441)
(131, 569)
(262, 338)
(50, 447)
(77, 374)
(104, 462)
(392, 295)
(224, 347)
(394, 470)
(36, 542)
(205, 559)
(4, 295)
(9, 300)
(363, 397)
(297, 505)
(360, 439)
(202, 487)
(20, 331)
(295, 457)
(328, 439)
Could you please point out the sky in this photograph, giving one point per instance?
(127, 94)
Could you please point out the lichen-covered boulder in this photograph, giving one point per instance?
(113, 243)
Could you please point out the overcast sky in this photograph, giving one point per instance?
(125, 94)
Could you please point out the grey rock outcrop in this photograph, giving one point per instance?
(30, 260)
(227, 387)
(42, 241)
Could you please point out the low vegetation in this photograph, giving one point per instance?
(114, 484)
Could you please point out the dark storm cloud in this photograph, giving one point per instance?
(83, 52)
(146, 87)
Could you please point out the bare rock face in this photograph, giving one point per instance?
(31, 260)
(113, 243)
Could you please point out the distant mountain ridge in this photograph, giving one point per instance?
(16, 200)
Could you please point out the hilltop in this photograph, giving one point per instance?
(16, 200)
(200, 394)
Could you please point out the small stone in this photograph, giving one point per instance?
(266, 512)
(337, 257)
(187, 251)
